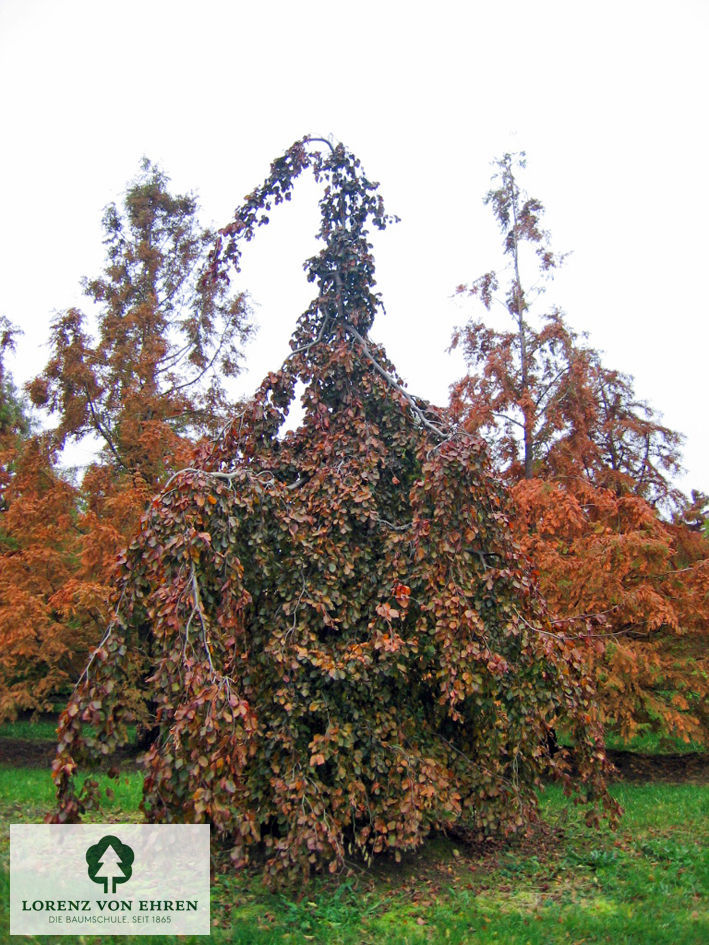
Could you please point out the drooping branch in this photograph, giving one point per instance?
(355, 577)
(437, 429)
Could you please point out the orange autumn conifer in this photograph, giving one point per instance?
(145, 387)
(590, 468)
(42, 647)
(152, 379)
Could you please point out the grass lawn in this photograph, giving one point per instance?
(651, 743)
(39, 730)
(646, 883)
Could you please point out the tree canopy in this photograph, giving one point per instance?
(37, 655)
(541, 394)
(335, 638)
(166, 338)
(150, 383)
(591, 473)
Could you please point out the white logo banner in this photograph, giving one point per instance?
(115, 879)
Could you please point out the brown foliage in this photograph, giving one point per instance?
(613, 572)
(147, 385)
(345, 649)
(589, 465)
(38, 542)
(38, 658)
(44, 637)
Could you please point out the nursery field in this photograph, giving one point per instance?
(646, 882)
(340, 611)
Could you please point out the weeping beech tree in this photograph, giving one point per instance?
(329, 629)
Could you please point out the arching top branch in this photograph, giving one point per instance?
(344, 268)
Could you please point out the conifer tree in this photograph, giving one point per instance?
(41, 649)
(591, 469)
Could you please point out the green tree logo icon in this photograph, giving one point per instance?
(110, 862)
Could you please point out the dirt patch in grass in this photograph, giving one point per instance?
(632, 766)
(23, 753)
(31, 753)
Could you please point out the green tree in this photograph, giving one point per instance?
(14, 418)
(13, 413)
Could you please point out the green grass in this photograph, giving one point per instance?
(653, 743)
(643, 742)
(44, 730)
(644, 884)
(40, 730)
(30, 791)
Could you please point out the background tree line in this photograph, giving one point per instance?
(144, 387)
(620, 555)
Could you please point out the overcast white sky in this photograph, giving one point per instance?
(609, 100)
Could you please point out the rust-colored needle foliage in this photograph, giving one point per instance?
(589, 465)
(612, 571)
(42, 648)
(344, 650)
(149, 383)
(152, 378)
